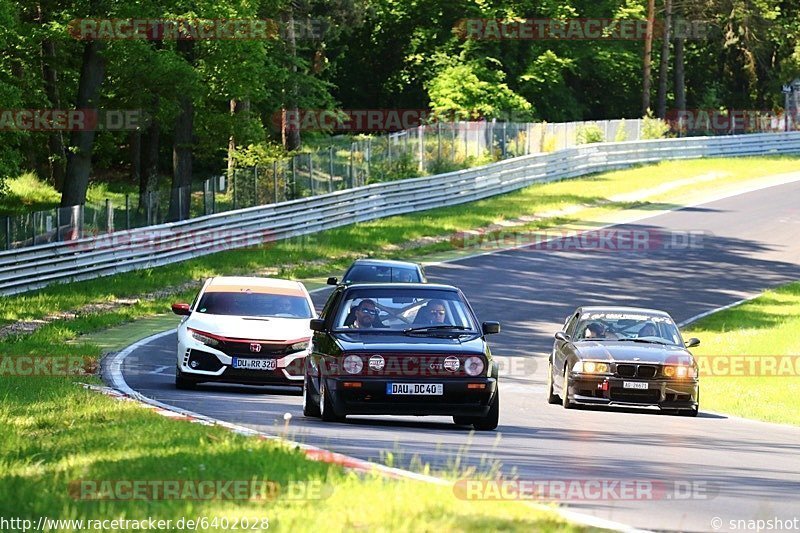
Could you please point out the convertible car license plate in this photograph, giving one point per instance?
(415, 389)
(255, 364)
(634, 385)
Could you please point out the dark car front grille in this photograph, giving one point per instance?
(637, 371)
(416, 365)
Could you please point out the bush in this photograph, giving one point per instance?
(622, 133)
(654, 128)
(589, 133)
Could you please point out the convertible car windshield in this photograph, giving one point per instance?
(640, 327)
(404, 309)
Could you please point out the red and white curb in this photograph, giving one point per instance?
(120, 390)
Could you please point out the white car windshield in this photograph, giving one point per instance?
(246, 303)
(643, 327)
(394, 310)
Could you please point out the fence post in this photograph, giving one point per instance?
(389, 147)
(255, 185)
(330, 168)
(421, 138)
(233, 185)
(109, 217)
(179, 191)
(127, 211)
(311, 173)
(275, 179)
(58, 224)
(149, 208)
(294, 179)
(8, 233)
(439, 143)
(205, 197)
(352, 166)
(368, 157)
(503, 151)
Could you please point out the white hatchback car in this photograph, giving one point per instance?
(244, 330)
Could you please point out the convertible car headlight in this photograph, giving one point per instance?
(200, 336)
(590, 367)
(353, 364)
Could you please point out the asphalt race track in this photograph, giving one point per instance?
(740, 469)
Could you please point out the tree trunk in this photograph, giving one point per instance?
(55, 141)
(648, 49)
(663, 69)
(135, 152)
(79, 162)
(680, 79)
(151, 142)
(182, 148)
(291, 136)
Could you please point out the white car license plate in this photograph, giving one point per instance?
(255, 364)
(634, 385)
(415, 389)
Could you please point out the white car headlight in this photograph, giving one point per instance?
(474, 366)
(204, 338)
(353, 364)
(298, 346)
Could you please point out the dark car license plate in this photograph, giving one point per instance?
(415, 389)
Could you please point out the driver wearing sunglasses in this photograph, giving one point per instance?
(366, 315)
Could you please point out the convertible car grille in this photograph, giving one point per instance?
(637, 371)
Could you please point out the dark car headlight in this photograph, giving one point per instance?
(591, 367)
(679, 371)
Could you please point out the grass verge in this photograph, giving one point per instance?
(762, 329)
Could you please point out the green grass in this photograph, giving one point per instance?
(766, 326)
(56, 433)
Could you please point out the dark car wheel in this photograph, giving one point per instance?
(184, 383)
(490, 421)
(326, 411)
(310, 408)
(565, 401)
(551, 398)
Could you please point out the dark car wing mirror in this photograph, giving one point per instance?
(490, 328)
(563, 337)
(691, 343)
(317, 324)
(333, 281)
(181, 309)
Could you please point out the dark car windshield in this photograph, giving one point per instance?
(632, 326)
(254, 304)
(381, 274)
(394, 310)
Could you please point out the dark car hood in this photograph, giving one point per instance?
(409, 343)
(632, 352)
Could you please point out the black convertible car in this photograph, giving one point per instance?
(401, 349)
(623, 356)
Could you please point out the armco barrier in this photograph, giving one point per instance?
(102, 255)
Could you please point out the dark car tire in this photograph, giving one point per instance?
(565, 401)
(310, 407)
(490, 421)
(184, 383)
(326, 411)
(690, 412)
(552, 399)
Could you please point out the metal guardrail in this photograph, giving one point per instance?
(122, 251)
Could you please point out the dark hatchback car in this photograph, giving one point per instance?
(381, 271)
(624, 356)
(401, 349)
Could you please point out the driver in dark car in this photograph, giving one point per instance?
(366, 314)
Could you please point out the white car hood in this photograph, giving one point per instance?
(264, 329)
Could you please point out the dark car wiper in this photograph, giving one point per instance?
(426, 329)
(649, 341)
